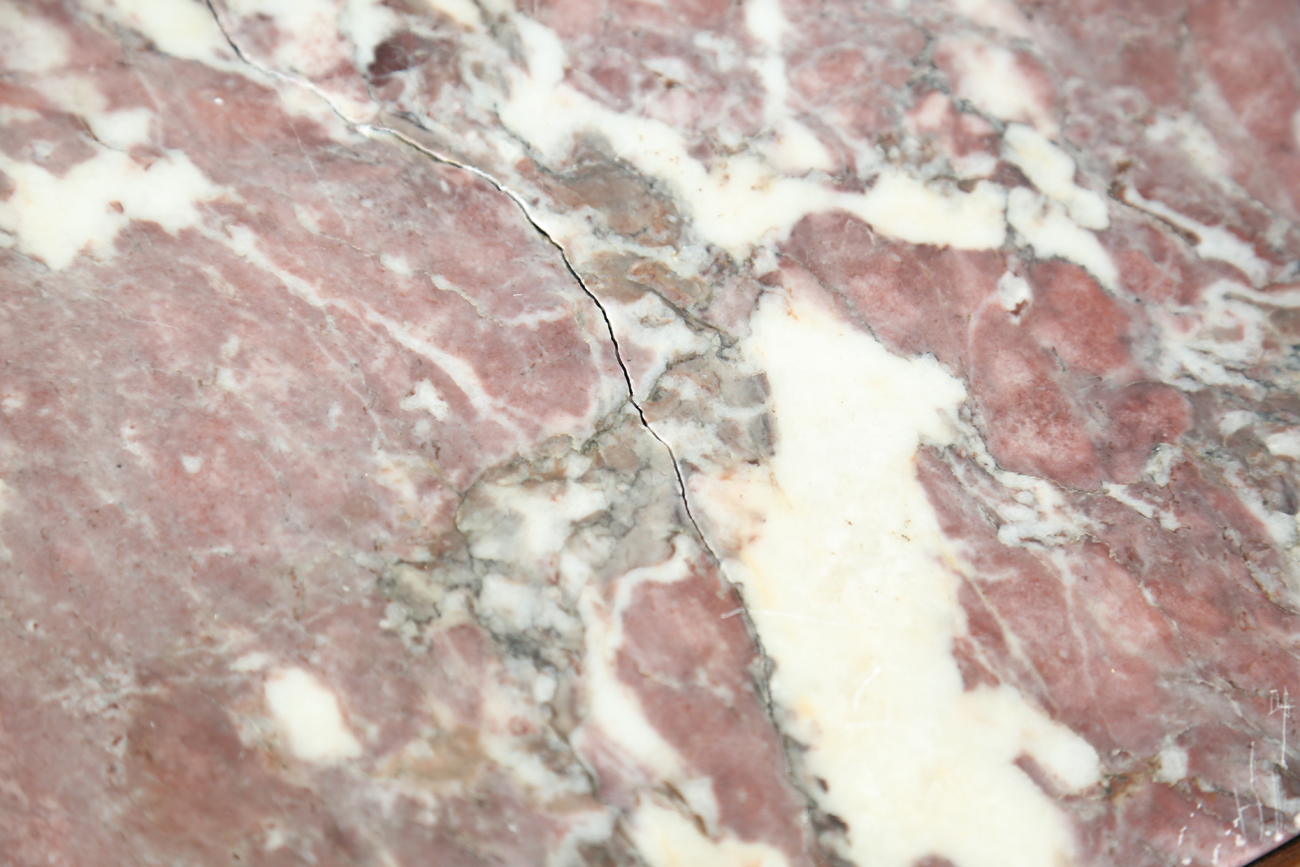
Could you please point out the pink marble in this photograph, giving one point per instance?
(389, 421)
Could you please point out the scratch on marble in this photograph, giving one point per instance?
(857, 696)
(1285, 706)
(1259, 804)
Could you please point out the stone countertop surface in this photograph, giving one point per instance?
(649, 432)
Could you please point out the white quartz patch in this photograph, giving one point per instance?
(306, 711)
(1046, 226)
(1014, 294)
(463, 12)
(181, 28)
(766, 22)
(425, 397)
(847, 587)
(1171, 765)
(367, 23)
(991, 78)
(121, 130)
(1284, 443)
(748, 199)
(1051, 169)
(56, 218)
(666, 838)
(904, 208)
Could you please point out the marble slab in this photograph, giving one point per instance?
(649, 432)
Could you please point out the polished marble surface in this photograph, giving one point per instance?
(649, 433)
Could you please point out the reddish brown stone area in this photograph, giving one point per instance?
(206, 454)
(394, 351)
(692, 663)
(1059, 391)
(1143, 623)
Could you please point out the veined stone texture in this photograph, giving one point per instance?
(649, 434)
